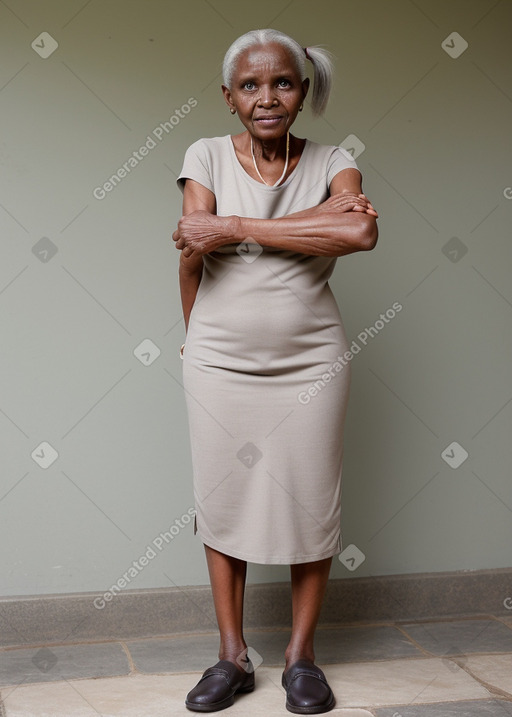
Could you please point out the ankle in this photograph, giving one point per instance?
(291, 656)
(234, 652)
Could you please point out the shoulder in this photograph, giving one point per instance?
(331, 159)
(331, 153)
(208, 145)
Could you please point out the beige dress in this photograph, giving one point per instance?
(265, 380)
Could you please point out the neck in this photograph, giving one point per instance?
(269, 149)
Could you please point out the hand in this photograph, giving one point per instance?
(201, 232)
(349, 202)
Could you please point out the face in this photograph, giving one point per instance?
(266, 90)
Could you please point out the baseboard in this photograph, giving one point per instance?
(66, 618)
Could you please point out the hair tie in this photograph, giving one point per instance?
(306, 51)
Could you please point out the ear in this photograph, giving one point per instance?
(227, 96)
(305, 87)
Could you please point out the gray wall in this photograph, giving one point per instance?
(85, 280)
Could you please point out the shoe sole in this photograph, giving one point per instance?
(215, 706)
(315, 710)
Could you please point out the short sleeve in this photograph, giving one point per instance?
(196, 166)
(338, 160)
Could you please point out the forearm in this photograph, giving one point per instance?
(189, 284)
(328, 233)
(344, 223)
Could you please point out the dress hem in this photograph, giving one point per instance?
(290, 560)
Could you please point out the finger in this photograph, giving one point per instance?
(346, 200)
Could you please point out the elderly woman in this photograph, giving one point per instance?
(265, 216)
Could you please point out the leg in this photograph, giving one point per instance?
(307, 690)
(309, 581)
(227, 578)
(220, 683)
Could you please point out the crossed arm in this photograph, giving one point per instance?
(342, 224)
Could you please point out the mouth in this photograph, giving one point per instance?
(268, 121)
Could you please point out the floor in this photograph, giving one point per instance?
(446, 668)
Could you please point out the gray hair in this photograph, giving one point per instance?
(321, 59)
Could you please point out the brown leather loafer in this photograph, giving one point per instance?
(307, 690)
(218, 686)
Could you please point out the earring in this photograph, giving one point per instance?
(232, 110)
(300, 108)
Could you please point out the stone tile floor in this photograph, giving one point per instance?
(444, 668)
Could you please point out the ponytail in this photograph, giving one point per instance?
(323, 68)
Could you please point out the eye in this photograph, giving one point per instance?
(285, 81)
(249, 82)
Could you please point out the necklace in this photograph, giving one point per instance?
(285, 164)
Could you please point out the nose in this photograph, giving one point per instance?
(267, 97)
